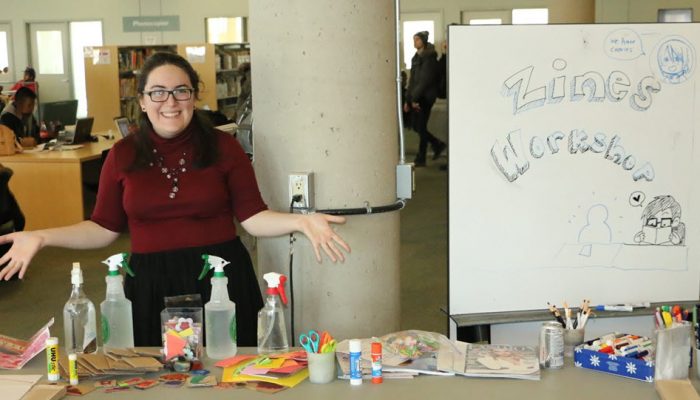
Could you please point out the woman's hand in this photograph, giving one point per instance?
(24, 246)
(317, 229)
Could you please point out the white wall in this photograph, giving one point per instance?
(192, 14)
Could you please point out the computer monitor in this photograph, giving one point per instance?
(60, 113)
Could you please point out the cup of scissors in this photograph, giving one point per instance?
(320, 353)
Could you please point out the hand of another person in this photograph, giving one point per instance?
(317, 229)
(406, 108)
(416, 106)
(24, 246)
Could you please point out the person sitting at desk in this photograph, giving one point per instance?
(28, 81)
(18, 117)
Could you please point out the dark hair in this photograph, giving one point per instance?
(30, 71)
(205, 149)
(24, 93)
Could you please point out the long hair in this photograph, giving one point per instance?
(205, 149)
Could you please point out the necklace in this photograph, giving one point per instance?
(171, 174)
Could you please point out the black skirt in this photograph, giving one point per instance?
(173, 273)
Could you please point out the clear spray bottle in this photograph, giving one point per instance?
(79, 317)
(219, 312)
(117, 323)
(272, 331)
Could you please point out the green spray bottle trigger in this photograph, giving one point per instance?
(115, 262)
(215, 263)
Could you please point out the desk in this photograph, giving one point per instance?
(569, 383)
(49, 185)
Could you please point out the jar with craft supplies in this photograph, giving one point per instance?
(181, 327)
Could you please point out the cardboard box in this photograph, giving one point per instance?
(612, 364)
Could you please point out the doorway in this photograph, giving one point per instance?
(51, 60)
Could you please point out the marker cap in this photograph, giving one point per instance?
(52, 341)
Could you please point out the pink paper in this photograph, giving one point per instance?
(253, 370)
(14, 353)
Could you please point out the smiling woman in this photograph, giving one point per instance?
(177, 184)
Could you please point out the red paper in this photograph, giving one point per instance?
(234, 360)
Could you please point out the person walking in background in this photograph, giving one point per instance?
(421, 95)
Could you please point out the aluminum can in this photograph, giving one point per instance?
(552, 345)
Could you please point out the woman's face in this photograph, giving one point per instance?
(170, 117)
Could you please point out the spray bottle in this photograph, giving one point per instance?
(219, 312)
(79, 317)
(272, 331)
(117, 323)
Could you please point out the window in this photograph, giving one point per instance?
(82, 34)
(524, 16)
(50, 51)
(676, 15)
(5, 52)
(488, 17)
(227, 30)
(486, 21)
(410, 28)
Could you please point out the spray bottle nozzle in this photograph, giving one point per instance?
(215, 263)
(118, 261)
(275, 285)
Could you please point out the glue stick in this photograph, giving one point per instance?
(376, 362)
(73, 368)
(355, 369)
(52, 359)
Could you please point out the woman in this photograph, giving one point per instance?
(177, 185)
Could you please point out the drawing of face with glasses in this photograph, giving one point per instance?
(661, 223)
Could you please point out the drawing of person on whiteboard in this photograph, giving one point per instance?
(661, 223)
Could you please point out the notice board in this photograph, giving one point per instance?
(573, 165)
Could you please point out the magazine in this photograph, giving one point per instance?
(490, 360)
(14, 353)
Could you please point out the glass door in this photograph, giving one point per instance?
(51, 60)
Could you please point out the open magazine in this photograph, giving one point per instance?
(490, 360)
(14, 353)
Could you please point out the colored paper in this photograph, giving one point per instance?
(234, 360)
(174, 346)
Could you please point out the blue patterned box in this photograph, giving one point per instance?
(612, 364)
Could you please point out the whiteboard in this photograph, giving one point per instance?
(573, 165)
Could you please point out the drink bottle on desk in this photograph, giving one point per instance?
(219, 312)
(79, 317)
(117, 322)
(272, 331)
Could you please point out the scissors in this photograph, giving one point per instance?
(310, 341)
(327, 343)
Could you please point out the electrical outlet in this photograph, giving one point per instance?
(301, 183)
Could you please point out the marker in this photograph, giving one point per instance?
(621, 307)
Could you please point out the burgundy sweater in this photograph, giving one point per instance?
(201, 213)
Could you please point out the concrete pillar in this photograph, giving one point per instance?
(323, 76)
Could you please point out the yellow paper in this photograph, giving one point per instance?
(289, 381)
(187, 332)
(271, 363)
(229, 374)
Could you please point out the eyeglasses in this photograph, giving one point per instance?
(659, 222)
(161, 95)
